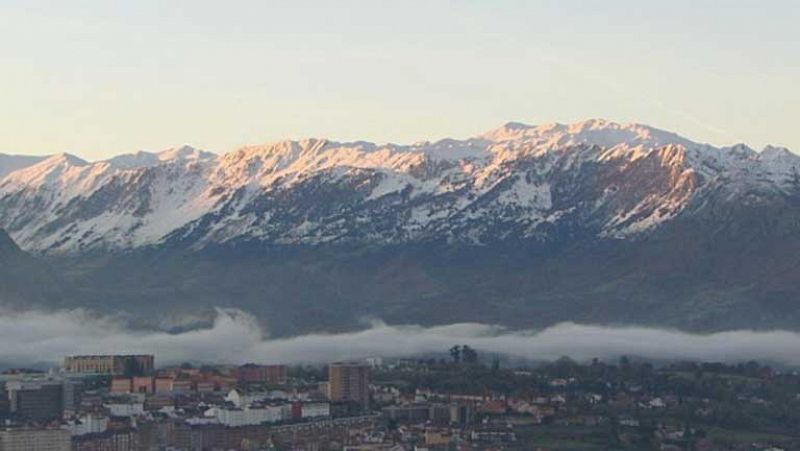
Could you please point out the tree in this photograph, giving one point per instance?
(455, 353)
(469, 355)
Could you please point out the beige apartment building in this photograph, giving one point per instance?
(349, 382)
(35, 439)
(109, 364)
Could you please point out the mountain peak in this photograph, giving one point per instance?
(143, 159)
(59, 161)
(184, 152)
(67, 158)
(600, 132)
(774, 152)
(513, 125)
(288, 190)
(506, 132)
(741, 150)
(52, 169)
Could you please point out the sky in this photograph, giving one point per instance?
(100, 78)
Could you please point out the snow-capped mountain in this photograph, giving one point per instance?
(522, 226)
(516, 183)
(144, 159)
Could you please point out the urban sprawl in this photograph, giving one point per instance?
(455, 401)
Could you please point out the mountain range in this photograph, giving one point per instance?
(522, 226)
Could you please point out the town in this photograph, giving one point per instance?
(454, 401)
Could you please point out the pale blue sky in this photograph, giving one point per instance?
(99, 78)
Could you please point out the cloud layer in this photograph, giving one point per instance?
(46, 337)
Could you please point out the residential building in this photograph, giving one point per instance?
(142, 384)
(35, 439)
(72, 391)
(92, 423)
(122, 440)
(121, 385)
(266, 374)
(251, 416)
(35, 400)
(122, 409)
(110, 364)
(408, 413)
(315, 410)
(349, 382)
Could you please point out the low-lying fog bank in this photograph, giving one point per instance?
(36, 337)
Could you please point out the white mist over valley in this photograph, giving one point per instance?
(38, 337)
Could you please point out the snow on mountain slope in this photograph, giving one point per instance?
(598, 132)
(55, 171)
(100, 204)
(11, 163)
(517, 182)
(143, 159)
(779, 165)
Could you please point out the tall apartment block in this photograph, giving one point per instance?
(349, 382)
(36, 400)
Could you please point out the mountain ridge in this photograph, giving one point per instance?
(431, 189)
(570, 134)
(592, 222)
